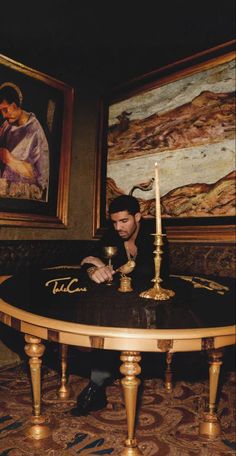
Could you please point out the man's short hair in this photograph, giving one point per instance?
(124, 203)
(9, 94)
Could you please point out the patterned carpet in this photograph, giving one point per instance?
(167, 422)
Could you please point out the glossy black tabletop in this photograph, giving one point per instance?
(68, 295)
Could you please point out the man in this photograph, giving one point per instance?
(133, 241)
(23, 147)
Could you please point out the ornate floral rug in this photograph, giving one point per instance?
(167, 423)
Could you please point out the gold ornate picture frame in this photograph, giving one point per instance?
(181, 116)
(50, 102)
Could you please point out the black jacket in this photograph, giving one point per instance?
(144, 270)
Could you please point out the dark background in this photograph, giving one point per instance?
(108, 42)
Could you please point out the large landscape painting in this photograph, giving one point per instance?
(187, 126)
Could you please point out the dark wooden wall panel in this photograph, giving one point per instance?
(215, 259)
(15, 255)
(184, 258)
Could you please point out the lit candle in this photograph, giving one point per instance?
(158, 202)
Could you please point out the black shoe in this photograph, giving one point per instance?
(92, 398)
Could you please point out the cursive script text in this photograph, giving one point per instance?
(65, 285)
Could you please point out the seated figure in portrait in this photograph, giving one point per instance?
(24, 151)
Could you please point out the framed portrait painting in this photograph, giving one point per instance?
(182, 118)
(35, 147)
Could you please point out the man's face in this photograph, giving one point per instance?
(125, 224)
(10, 111)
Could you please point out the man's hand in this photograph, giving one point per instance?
(18, 166)
(102, 274)
(4, 155)
(99, 272)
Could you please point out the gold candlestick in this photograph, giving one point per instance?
(157, 292)
(158, 201)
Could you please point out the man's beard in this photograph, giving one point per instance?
(126, 236)
(13, 122)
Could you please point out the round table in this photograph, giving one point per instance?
(61, 305)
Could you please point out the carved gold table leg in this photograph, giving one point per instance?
(210, 426)
(35, 349)
(168, 372)
(64, 390)
(130, 368)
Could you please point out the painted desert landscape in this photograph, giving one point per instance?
(189, 133)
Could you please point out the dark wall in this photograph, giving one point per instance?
(104, 43)
(93, 47)
(188, 259)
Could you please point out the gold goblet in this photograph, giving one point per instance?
(109, 252)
